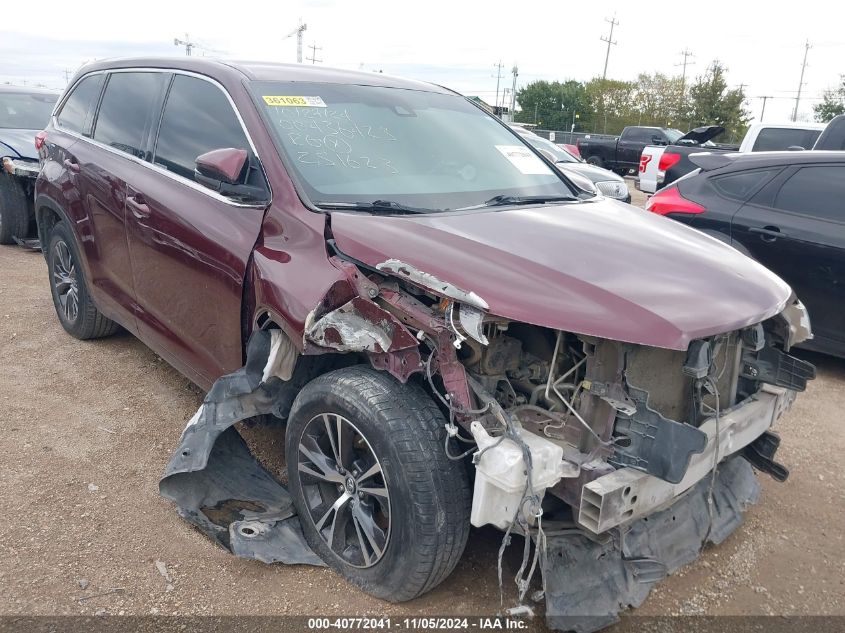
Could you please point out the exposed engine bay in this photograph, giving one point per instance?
(574, 439)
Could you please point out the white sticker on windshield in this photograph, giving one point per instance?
(524, 159)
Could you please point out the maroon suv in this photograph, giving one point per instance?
(454, 331)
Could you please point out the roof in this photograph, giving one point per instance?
(266, 71)
(795, 125)
(749, 160)
(28, 90)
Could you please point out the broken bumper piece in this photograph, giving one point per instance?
(588, 582)
(215, 480)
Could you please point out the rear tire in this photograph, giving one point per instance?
(415, 502)
(77, 313)
(595, 160)
(14, 210)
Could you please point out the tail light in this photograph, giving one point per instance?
(671, 201)
(40, 139)
(667, 160)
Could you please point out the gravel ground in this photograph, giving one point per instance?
(88, 428)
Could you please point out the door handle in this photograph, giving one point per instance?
(139, 208)
(767, 233)
(74, 167)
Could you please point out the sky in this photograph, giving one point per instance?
(456, 44)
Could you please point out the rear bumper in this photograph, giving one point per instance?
(628, 494)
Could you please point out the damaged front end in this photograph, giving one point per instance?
(620, 461)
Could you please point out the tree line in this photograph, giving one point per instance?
(608, 105)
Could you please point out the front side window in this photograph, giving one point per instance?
(25, 110)
(817, 191)
(197, 118)
(432, 151)
(127, 110)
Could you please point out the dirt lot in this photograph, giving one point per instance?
(87, 428)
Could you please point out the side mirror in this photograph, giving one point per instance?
(221, 166)
(226, 171)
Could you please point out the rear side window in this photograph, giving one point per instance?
(775, 139)
(815, 191)
(126, 111)
(640, 135)
(197, 119)
(80, 104)
(740, 186)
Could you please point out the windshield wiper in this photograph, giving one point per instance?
(503, 201)
(387, 206)
(500, 201)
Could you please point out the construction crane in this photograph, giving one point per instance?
(298, 31)
(190, 46)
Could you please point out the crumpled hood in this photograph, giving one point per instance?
(599, 268)
(700, 135)
(18, 143)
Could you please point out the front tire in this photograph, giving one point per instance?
(377, 497)
(14, 212)
(77, 313)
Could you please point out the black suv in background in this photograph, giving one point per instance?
(784, 209)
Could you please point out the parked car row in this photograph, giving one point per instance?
(662, 164)
(23, 112)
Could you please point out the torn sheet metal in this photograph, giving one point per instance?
(587, 583)
(427, 280)
(215, 480)
(360, 326)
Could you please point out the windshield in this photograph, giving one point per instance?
(429, 151)
(673, 134)
(25, 111)
(560, 155)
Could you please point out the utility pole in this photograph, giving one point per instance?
(801, 81)
(67, 76)
(515, 72)
(314, 48)
(763, 112)
(609, 39)
(687, 54)
(498, 68)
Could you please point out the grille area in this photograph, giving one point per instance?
(613, 189)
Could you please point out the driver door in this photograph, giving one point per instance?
(189, 246)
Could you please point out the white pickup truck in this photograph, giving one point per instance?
(662, 164)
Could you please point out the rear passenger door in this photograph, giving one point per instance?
(101, 170)
(189, 246)
(630, 146)
(796, 227)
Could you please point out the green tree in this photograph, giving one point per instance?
(551, 105)
(611, 102)
(711, 103)
(832, 104)
(661, 100)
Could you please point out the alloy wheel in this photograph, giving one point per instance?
(345, 490)
(65, 280)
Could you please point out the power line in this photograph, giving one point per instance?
(313, 59)
(609, 39)
(801, 80)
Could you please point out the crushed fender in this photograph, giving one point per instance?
(587, 582)
(217, 482)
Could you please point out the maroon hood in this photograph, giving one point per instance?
(600, 268)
